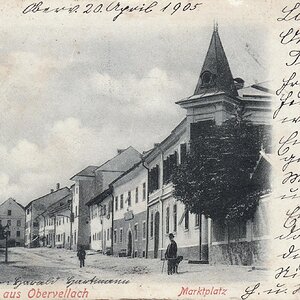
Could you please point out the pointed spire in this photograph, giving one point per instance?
(215, 75)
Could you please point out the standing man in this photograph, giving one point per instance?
(171, 254)
(81, 256)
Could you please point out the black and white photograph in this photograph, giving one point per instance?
(148, 150)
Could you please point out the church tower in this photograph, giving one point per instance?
(215, 75)
(215, 96)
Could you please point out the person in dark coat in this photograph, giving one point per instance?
(81, 256)
(171, 254)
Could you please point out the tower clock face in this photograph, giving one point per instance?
(207, 78)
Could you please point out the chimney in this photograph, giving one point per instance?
(52, 190)
(119, 151)
(156, 145)
(239, 83)
(58, 186)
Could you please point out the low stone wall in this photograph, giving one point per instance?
(240, 253)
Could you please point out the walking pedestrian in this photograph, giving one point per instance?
(171, 255)
(81, 256)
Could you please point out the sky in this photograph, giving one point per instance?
(73, 91)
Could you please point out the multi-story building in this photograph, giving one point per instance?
(216, 98)
(129, 235)
(13, 214)
(55, 224)
(33, 211)
(46, 230)
(101, 214)
(90, 183)
(166, 214)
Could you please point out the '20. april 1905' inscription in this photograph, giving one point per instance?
(115, 7)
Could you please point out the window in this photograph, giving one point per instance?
(169, 165)
(116, 203)
(186, 220)
(121, 235)
(151, 225)
(104, 210)
(8, 222)
(18, 233)
(107, 236)
(167, 219)
(137, 195)
(115, 236)
(76, 211)
(175, 217)
(154, 179)
(144, 191)
(144, 229)
(129, 198)
(136, 232)
(121, 201)
(75, 236)
(28, 211)
(104, 234)
(197, 220)
(76, 190)
(9, 212)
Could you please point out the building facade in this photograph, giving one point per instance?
(166, 214)
(101, 214)
(130, 212)
(91, 183)
(35, 208)
(216, 98)
(55, 224)
(12, 214)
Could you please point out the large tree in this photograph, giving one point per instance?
(216, 179)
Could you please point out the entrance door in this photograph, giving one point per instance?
(129, 244)
(156, 234)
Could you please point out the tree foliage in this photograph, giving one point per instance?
(217, 179)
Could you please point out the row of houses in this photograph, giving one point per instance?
(126, 206)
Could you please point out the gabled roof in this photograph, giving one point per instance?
(12, 199)
(87, 172)
(51, 195)
(258, 90)
(215, 75)
(60, 205)
(127, 172)
(111, 159)
(100, 197)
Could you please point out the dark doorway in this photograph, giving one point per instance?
(129, 244)
(156, 234)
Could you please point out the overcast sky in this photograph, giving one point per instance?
(75, 90)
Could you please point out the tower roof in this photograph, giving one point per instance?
(215, 75)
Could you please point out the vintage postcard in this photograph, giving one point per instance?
(149, 149)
